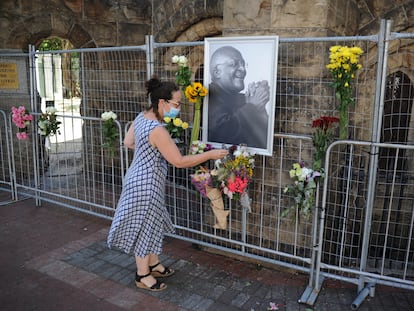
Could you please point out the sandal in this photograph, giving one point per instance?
(167, 271)
(154, 288)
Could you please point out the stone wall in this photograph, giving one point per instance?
(84, 23)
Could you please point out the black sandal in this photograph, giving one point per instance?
(154, 288)
(167, 271)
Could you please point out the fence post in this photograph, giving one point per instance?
(383, 45)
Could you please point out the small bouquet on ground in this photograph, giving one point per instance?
(175, 127)
(21, 118)
(109, 130)
(303, 189)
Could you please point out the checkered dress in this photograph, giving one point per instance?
(141, 218)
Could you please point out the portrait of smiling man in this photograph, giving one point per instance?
(238, 111)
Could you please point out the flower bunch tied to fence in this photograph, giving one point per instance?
(322, 138)
(343, 64)
(22, 119)
(231, 177)
(109, 131)
(193, 91)
(306, 179)
(303, 189)
(176, 127)
(48, 124)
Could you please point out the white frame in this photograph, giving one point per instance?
(261, 54)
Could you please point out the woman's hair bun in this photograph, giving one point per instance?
(152, 84)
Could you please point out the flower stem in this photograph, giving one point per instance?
(195, 133)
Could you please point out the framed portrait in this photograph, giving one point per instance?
(240, 75)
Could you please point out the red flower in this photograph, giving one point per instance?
(237, 184)
(325, 122)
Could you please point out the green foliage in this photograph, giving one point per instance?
(51, 44)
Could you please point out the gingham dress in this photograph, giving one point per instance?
(141, 218)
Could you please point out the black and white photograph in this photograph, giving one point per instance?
(240, 74)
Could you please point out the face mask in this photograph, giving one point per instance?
(173, 113)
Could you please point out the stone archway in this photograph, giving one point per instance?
(22, 36)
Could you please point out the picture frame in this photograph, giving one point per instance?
(240, 76)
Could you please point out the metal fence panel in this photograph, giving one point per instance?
(6, 172)
(77, 172)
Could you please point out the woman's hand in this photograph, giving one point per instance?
(216, 154)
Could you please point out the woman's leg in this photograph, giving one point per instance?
(157, 269)
(153, 259)
(143, 269)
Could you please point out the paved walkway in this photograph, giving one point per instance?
(53, 258)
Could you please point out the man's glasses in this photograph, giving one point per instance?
(176, 104)
(234, 63)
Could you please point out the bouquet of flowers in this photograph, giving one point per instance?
(195, 93)
(230, 176)
(322, 138)
(21, 118)
(183, 74)
(201, 180)
(109, 130)
(343, 64)
(303, 189)
(197, 146)
(175, 127)
(233, 173)
(48, 124)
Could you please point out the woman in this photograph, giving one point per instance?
(141, 218)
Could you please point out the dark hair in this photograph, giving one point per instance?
(156, 90)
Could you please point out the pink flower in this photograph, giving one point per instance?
(22, 136)
(21, 117)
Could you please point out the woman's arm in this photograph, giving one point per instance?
(160, 139)
(129, 140)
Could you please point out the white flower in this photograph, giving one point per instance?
(305, 172)
(237, 153)
(51, 110)
(107, 115)
(42, 124)
(175, 59)
(182, 61)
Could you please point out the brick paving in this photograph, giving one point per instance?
(54, 258)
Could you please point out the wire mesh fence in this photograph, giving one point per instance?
(79, 173)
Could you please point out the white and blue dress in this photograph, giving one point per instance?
(141, 218)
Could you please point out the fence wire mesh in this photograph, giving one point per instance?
(79, 173)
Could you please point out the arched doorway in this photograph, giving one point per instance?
(396, 120)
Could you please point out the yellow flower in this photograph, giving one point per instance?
(167, 119)
(334, 49)
(195, 91)
(184, 125)
(177, 122)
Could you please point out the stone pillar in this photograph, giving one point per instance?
(290, 18)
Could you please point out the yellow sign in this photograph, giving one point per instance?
(8, 76)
